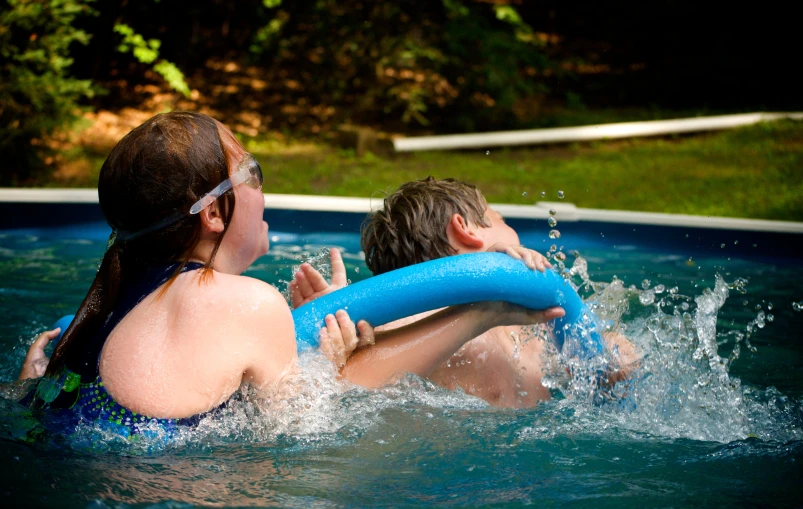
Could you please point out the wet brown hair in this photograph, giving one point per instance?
(146, 188)
(411, 227)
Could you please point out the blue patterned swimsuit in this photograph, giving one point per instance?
(78, 394)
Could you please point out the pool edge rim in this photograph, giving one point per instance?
(541, 210)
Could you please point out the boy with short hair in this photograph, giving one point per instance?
(433, 218)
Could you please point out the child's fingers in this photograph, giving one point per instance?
(295, 294)
(348, 331)
(507, 249)
(528, 258)
(511, 251)
(47, 336)
(539, 261)
(315, 279)
(338, 268)
(303, 283)
(325, 344)
(366, 334)
(335, 338)
(37, 348)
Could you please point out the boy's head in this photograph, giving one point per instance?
(428, 219)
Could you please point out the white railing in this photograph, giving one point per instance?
(586, 133)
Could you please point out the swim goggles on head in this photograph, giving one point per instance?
(248, 172)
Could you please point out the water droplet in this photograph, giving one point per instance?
(770, 317)
(524, 193)
(647, 297)
(745, 303)
(659, 289)
(797, 306)
(760, 320)
(553, 248)
(645, 284)
(487, 152)
(554, 234)
(357, 270)
(740, 285)
(560, 256)
(684, 306)
(543, 194)
(673, 290)
(552, 222)
(561, 195)
(552, 212)
(722, 245)
(758, 307)
(769, 306)
(735, 242)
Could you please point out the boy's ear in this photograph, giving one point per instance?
(462, 236)
(211, 219)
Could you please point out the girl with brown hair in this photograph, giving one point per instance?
(170, 329)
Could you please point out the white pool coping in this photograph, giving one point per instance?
(587, 133)
(566, 212)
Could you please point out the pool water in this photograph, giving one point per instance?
(714, 416)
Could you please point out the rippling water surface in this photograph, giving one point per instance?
(714, 416)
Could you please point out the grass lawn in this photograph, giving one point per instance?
(753, 172)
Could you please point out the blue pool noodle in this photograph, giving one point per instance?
(451, 281)
(444, 282)
(63, 323)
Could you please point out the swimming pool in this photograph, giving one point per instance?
(700, 433)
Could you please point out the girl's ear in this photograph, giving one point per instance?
(462, 235)
(211, 219)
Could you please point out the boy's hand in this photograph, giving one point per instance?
(339, 338)
(36, 361)
(532, 259)
(308, 284)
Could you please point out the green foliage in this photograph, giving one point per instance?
(457, 62)
(37, 93)
(147, 52)
(144, 51)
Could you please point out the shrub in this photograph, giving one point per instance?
(37, 93)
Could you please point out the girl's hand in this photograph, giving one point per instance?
(36, 361)
(308, 284)
(533, 259)
(339, 338)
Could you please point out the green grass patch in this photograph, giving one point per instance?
(752, 172)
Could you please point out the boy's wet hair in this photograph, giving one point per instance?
(411, 227)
